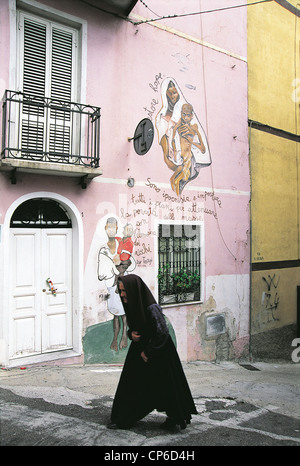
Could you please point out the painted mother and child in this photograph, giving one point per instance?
(181, 136)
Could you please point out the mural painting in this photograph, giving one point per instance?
(185, 151)
(181, 137)
(115, 258)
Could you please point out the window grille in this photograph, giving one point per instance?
(179, 274)
(40, 213)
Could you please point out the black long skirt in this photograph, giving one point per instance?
(157, 384)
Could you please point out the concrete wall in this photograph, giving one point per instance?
(273, 44)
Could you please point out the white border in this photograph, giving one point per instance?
(156, 224)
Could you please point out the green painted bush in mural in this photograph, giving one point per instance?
(97, 341)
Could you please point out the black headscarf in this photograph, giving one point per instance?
(139, 298)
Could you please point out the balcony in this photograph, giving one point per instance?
(50, 136)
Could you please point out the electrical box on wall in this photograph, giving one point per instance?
(215, 325)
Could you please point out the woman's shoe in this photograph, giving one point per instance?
(170, 424)
(182, 425)
(114, 426)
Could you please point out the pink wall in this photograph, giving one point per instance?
(126, 67)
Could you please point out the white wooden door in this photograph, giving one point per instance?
(40, 321)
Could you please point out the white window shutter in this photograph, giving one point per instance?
(61, 88)
(34, 67)
(48, 71)
(61, 65)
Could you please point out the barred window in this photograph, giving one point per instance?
(179, 270)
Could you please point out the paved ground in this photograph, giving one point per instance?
(70, 406)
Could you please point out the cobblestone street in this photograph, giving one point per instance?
(42, 412)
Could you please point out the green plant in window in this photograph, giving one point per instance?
(185, 280)
(180, 282)
(162, 271)
(163, 278)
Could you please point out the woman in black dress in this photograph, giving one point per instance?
(152, 376)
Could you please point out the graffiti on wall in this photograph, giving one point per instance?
(115, 258)
(270, 299)
(181, 136)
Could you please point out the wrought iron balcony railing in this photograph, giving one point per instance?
(42, 129)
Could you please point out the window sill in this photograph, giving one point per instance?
(189, 303)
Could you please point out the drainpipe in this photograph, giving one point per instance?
(298, 311)
(250, 236)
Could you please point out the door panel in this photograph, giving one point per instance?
(57, 309)
(25, 296)
(40, 320)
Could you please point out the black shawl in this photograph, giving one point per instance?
(139, 299)
(159, 383)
